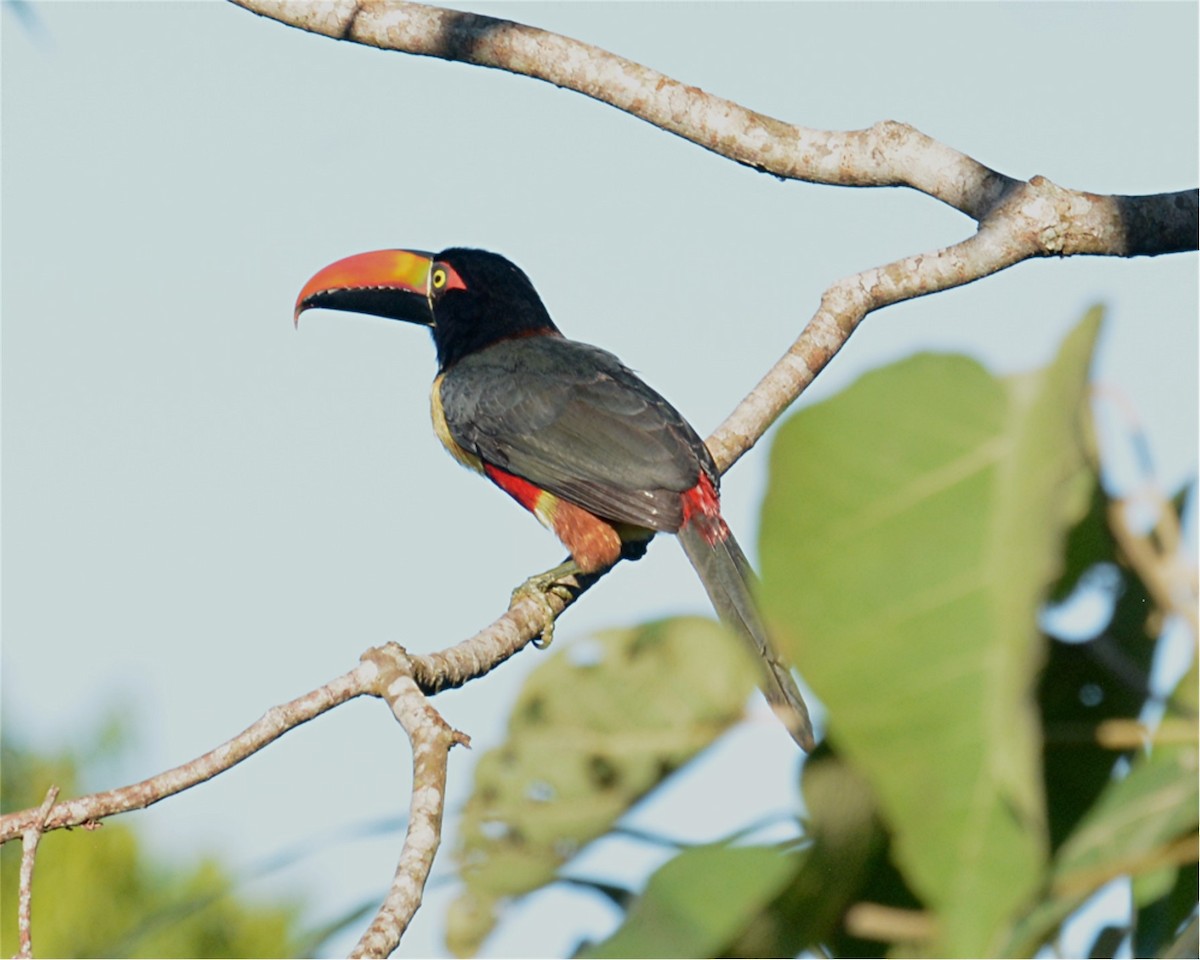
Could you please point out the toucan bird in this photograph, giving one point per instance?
(564, 428)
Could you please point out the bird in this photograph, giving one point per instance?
(564, 428)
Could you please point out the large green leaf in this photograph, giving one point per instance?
(912, 526)
(596, 727)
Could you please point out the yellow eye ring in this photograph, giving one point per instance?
(439, 278)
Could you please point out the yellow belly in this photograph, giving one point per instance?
(442, 429)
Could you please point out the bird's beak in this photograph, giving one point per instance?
(383, 283)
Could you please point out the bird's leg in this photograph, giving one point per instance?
(541, 584)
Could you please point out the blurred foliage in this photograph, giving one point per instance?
(968, 796)
(96, 893)
(596, 726)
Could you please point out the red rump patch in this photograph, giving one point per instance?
(702, 506)
(524, 492)
(594, 544)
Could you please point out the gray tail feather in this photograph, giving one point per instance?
(728, 579)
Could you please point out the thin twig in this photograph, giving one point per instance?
(1122, 734)
(274, 723)
(1173, 853)
(1156, 557)
(877, 921)
(30, 839)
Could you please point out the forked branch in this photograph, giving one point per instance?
(1017, 220)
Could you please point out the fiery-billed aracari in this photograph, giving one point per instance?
(564, 428)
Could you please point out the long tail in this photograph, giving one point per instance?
(728, 579)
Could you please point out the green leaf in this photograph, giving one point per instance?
(699, 900)
(1138, 826)
(733, 901)
(1159, 917)
(596, 727)
(912, 526)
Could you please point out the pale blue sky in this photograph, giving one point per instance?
(206, 512)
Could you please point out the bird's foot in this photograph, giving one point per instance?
(538, 587)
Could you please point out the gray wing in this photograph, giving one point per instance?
(573, 420)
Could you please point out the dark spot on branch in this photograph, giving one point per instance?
(762, 168)
(348, 29)
(1162, 223)
(463, 33)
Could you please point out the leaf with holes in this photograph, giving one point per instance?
(596, 727)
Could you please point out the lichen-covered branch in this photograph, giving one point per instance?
(888, 154)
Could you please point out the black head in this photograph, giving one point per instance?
(479, 298)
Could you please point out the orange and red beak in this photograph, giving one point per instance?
(384, 283)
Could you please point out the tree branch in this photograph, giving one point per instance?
(889, 154)
(431, 739)
(385, 672)
(430, 674)
(1016, 220)
(274, 723)
(1158, 558)
(511, 632)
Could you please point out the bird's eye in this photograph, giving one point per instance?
(444, 278)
